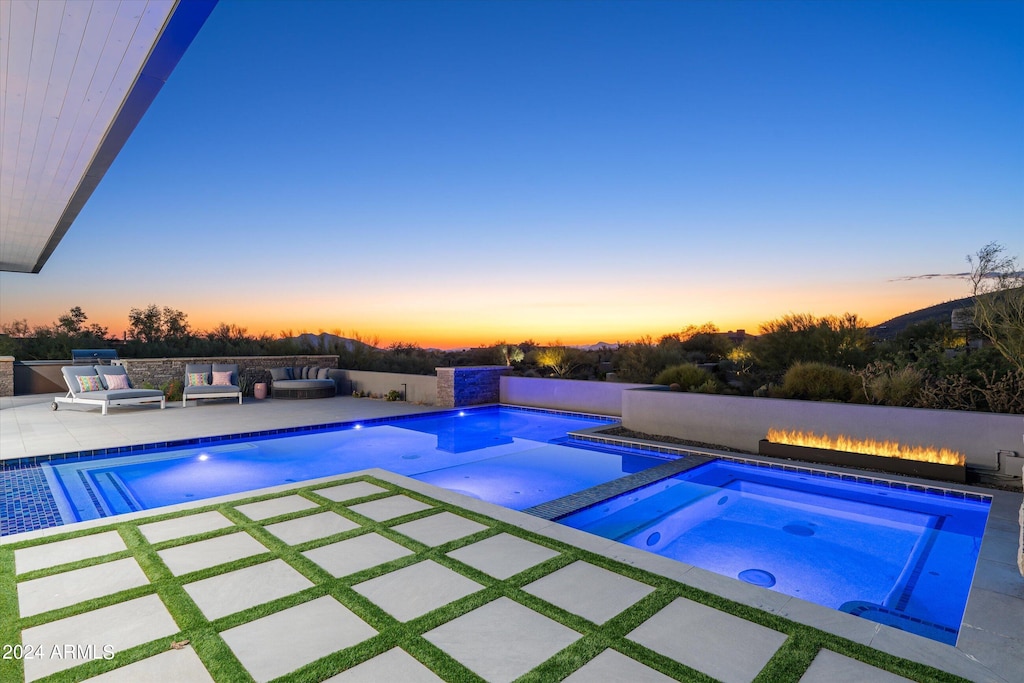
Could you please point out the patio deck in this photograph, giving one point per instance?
(516, 590)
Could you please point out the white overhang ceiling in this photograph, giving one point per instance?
(76, 76)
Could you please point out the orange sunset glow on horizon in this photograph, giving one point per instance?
(472, 319)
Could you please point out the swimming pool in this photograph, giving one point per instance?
(896, 556)
(512, 457)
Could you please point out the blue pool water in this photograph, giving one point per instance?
(898, 557)
(515, 458)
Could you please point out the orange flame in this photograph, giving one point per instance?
(888, 449)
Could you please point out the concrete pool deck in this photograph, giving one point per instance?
(990, 645)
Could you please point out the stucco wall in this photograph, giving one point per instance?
(418, 388)
(39, 377)
(740, 422)
(600, 398)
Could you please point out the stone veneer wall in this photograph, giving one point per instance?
(457, 387)
(6, 375)
(157, 371)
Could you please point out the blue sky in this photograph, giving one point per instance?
(454, 173)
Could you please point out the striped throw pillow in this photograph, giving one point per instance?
(117, 382)
(221, 379)
(89, 383)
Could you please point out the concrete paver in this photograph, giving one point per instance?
(265, 509)
(832, 667)
(615, 666)
(68, 588)
(394, 665)
(179, 527)
(356, 554)
(707, 640)
(501, 640)
(389, 508)
(284, 641)
(503, 555)
(357, 489)
(92, 635)
(319, 525)
(71, 550)
(191, 557)
(225, 594)
(173, 666)
(439, 529)
(589, 591)
(413, 591)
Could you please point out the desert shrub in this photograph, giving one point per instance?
(686, 375)
(886, 384)
(820, 382)
(173, 389)
(712, 386)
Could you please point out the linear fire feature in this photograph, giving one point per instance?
(845, 458)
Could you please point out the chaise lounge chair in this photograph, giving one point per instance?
(104, 386)
(205, 380)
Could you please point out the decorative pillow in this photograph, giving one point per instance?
(117, 382)
(322, 373)
(197, 379)
(280, 373)
(89, 383)
(222, 379)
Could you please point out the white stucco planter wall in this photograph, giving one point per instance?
(582, 396)
(740, 421)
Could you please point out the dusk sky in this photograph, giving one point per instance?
(458, 173)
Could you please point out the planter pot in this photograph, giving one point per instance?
(259, 390)
(913, 468)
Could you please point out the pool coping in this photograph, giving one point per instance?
(155, 446)
(877, 636)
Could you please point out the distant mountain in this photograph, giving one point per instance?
(325, 341)
(597, 347)
(939, 313)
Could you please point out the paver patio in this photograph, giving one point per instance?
(429, 586)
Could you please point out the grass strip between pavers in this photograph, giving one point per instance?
(788, 664)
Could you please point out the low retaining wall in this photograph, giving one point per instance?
(741, 421)
(6, 375)
(158, 371)
(418, 388)
(581, 396)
